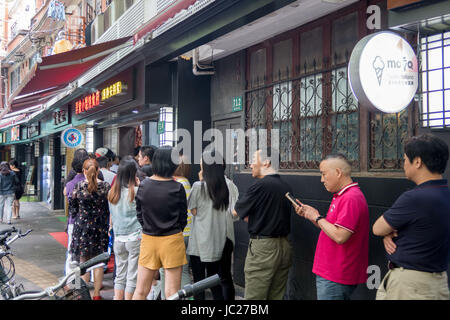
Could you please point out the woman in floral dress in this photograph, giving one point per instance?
(89, 207)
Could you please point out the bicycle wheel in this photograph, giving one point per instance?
(7, 268)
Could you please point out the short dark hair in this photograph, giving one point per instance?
(148, 151)
(14, 163)
(432, 150)
(110, 155)
(162, 164)
(79, 156)
(102, 161)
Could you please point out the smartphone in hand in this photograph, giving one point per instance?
(292, 199)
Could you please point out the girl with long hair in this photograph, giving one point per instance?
(89, 208)
(212, 236)
(127, 229)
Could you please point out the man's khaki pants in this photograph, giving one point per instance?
(266, 268)
(404, 284)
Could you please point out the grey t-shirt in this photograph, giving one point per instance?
(210, 227)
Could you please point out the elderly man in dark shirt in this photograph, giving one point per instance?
(268, 213)
(416, 229)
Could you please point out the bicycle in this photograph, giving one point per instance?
(8, 286)
(72, 285)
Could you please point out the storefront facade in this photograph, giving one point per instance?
(297, 82)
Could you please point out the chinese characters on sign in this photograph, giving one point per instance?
(112, 90)
(87, 102)
(93, 100)
(59, 117)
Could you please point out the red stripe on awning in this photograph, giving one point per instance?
(58, 71)
(160, 19)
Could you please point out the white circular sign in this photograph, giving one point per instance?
(72, 137)
(383, 72)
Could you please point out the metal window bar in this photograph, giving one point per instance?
(433, 115)
(305, 117)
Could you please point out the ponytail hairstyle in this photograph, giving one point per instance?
(126, 177)
(213, 166)
(91, 171)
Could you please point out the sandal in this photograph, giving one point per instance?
(97, 298)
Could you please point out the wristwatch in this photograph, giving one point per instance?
(318, 218)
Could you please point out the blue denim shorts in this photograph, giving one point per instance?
(329, 290)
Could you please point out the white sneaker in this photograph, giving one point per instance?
(155, 291)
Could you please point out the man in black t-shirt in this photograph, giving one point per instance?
(268, 213)
(416, 229)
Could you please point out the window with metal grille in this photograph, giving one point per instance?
(297, 82)
(165, 126)
(435, 80)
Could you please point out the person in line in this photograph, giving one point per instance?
(342, 251)
(103, 165)
(181, 175)
(268, 213)
(416, 229)
(127, 229)
(8, 182)
(77, 166)
(78, 154)
(212, 238)
(115, 164)
(145, 158)
(162, 211)
(89, 208)
(14, 165)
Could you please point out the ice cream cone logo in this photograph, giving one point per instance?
(378, 66)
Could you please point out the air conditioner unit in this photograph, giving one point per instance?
(98, 28)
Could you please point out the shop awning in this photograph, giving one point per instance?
(57, 71)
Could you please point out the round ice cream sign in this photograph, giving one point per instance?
(383, 72)
(72, 137)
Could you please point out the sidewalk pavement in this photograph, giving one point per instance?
(40, 258)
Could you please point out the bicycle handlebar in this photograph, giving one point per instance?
(101, 258)
(191, 289)
(17, 236)
(82, 268)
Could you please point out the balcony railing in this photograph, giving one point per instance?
(75, 28)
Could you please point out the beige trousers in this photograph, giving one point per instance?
(404, 284)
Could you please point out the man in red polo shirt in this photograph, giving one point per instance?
(342, 251)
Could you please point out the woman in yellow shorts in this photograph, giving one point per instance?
(161, 209)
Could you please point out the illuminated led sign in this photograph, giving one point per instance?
(112, 90)
(383, 72)
(94, 99)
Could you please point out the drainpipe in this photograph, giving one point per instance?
(196, 68)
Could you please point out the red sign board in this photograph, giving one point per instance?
(93, 100)
(87, 103)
